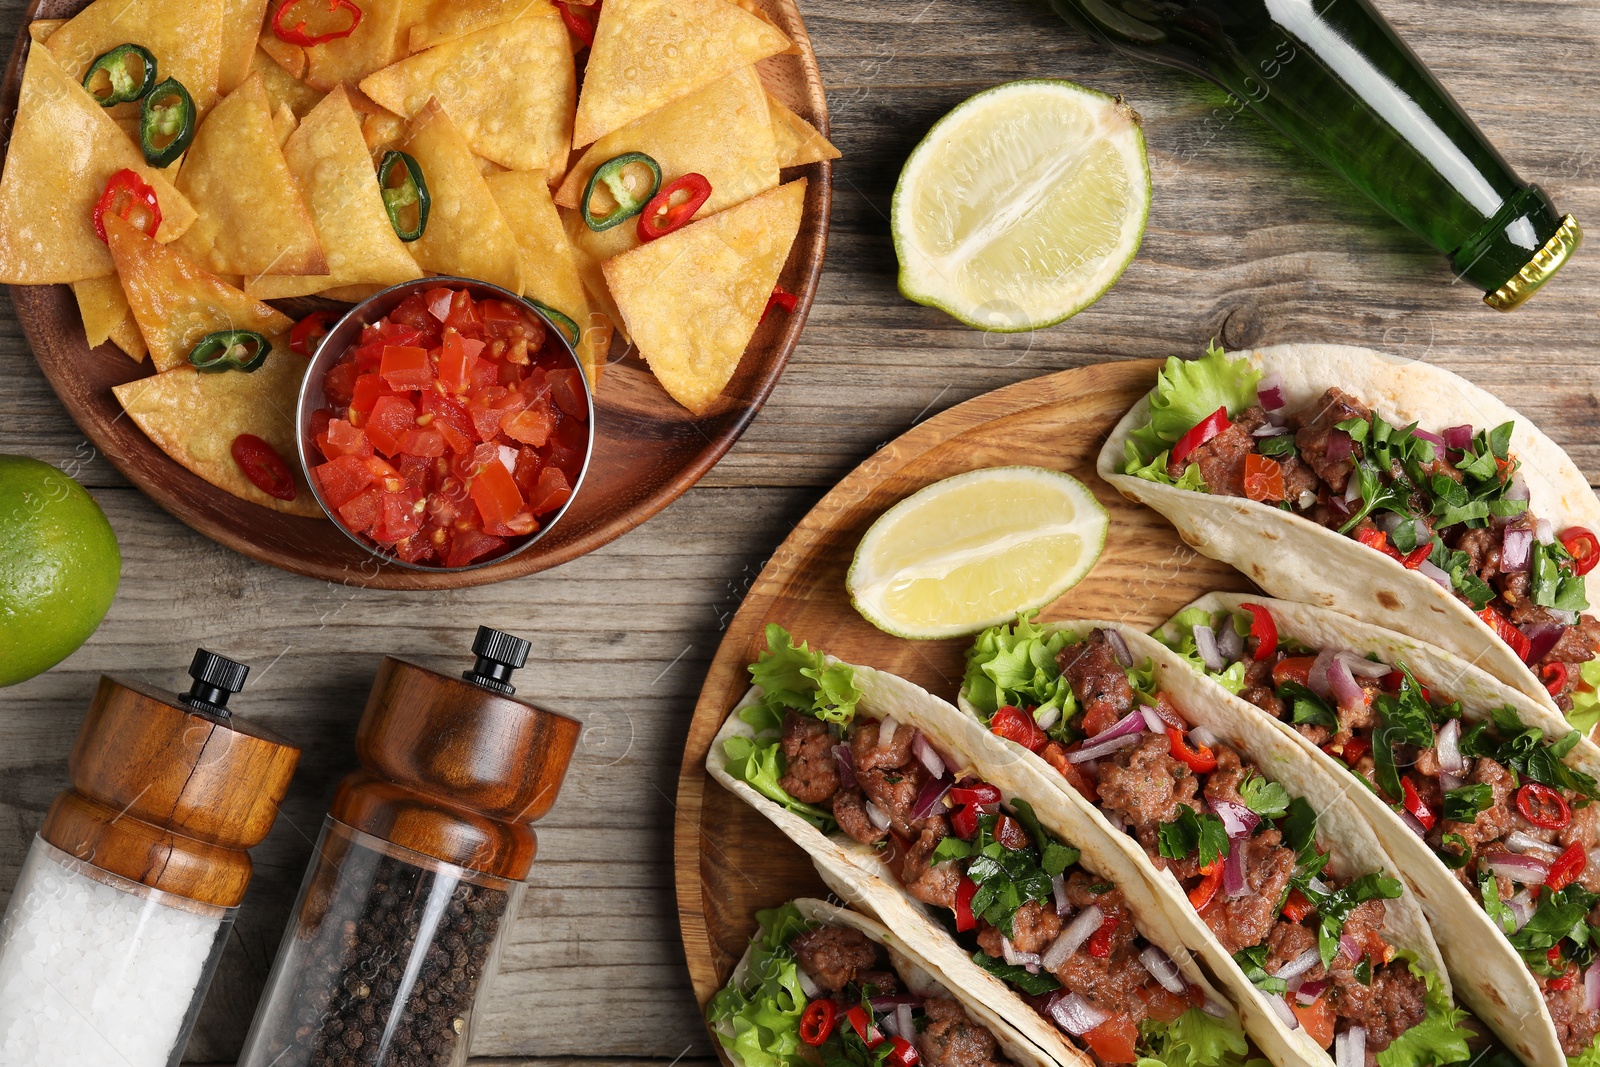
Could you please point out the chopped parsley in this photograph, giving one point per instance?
(1267, 799)
(1008, 878)
(1019, 978)
(1335, 907)
(1464, 804)
(1193, 831)
(1253, 962)
(1307, 706)
(1523, 750)
(1404, 718)
(1554, 585)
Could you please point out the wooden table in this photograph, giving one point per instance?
(1249, 241)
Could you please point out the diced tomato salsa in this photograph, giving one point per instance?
(451, 429)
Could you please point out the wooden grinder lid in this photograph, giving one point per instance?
(454, 768)
(167, 790)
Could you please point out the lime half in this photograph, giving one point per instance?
(1023, 205)
(973, 550)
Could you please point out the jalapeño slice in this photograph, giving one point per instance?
(129, 70)
(406, 200)
(230, 350)
(166, 123)
(568, 328)
(612, 177)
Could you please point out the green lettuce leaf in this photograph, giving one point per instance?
(760, 763)
(1589, 1057)
(1193, 1039)
(1438, 1039)
(1177, 633)
(1016, 665)
(1156, 470)
(1187, 391)
(1585, 711)
(792, 676)
(758, 1019)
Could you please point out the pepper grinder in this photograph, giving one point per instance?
(416, 877)
(128, 892)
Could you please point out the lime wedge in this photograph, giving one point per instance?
(1022, 206)
(973, 550)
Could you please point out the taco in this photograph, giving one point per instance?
(820, 984)
(1280, 886)
(1387, 488)
(1052, 927)
(1484, 797)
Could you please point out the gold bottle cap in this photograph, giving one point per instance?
(1538, 270)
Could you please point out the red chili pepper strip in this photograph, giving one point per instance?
(1566, 867)
(1507, 631)
(1413, 803)
(982, 793)
(1543, 806)
(1100, 940)
(1297, 907)
(816, 1022)
(309, 332)
(125, 193)
(1583, 547)
(661, 216)
(861, 1022)
(1200, 433)
(902, 1054)
(266, 469)
(1200, 760)
(1414, 559)
(1264, 628)
(1373, 537)
(780, 297)
(581, 27)
(1201, 894)
(965, 891)
(1566, 979)
(298, 34)
(1014, 724)
(1555, 677)
(964, 821)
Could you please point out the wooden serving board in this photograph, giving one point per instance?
(730, 861)
(648, 450)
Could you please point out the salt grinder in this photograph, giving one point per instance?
(416, 877)
(128, 892)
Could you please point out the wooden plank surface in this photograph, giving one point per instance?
(1249, 240)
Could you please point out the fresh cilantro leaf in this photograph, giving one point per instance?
(1335, 907)
(1500, 440)
(1019, 978)
(1277, 446)
(1560, 915)
(949, 848)
(1307, 706)
(1267, 799)
(1524, 751)
(1499, 911)
(1363, 972)
(1054, 857)
(1454, 860)
(1299, 826)
(1253, 962)
(1404, 718)
(1464, 804)
(1193, 832)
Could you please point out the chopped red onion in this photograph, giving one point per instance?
(1349, 946)
(1420, 525)
(1518, 489)
(1594, 858)
(1318, 885)
(1448, 781)
(1317, 676)
(1522, 843)
(1269, 392)
(1076, 933)
(1543, 531)
(1458, 437)
(1342, 684)
(1542, 637)
(1310, 991)
(1515, 549)
(1428, 570)
(1075, 1015)
(1013, 956)
(1119, 647)
(891, 1001)
(1280, 1008)
(1229, 642)
(1413, 823)
(1565, 617)
(1102, 749)
(878, 817)
(927, 754)
(1528, 870)
(902, 1020)
(1269, 430)
(888, 1025)
(1299, 965)
(1214, 1009)
(1277, 418)
(1352, 491)
(1591, 988)
(1387, 521)
(1362, 667)
(1047, 717)
(1202, 737)
(1338, 510)
(1522, 908)
(886, 729)
(1339, 447)
(1058, 888)
(1350, 1048)
(1447, 746)
(1205, 642)
(1163, 970)
(807, 985)
(1152, 721)
(931, 796)
(847, 765)
(1237, 819)
(1234, 882)
(1430, 437)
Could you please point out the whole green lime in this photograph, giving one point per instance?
(59, 567)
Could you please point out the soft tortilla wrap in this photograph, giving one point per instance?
(1490, 976)
(1295, 559)
(857, 874)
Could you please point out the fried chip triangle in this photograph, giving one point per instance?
(64, 148)
(328, 157)
(510, 89)
(466, 234)
(251, 217)
(798, 141)
(722, 132)
(374, 44)
(185, 36)
(194, 417)
(692, 299)
(648, 53)
(241, 27)
(102, 307)
(177, 303)
(436, 21)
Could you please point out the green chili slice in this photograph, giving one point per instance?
(166, 123)
(568, 328)
(230, 350)
(410, 193)
(611, 177)
(129, 72)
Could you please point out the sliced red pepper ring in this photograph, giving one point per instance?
(662, 214)
(1555, 677)
(1567, 867)
(1200, 760)
(266, 469)
(300, 35)
(782, 298)
(1543, 806)
(1413, 803)
(580, 27)
(816, 1022)
(1200, 433)
(309, 332)
(126, 195)
(1583, 547)
(1264, 628)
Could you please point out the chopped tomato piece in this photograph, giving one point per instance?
(551, 492)
(496, 494)
(404, 367)
(860, 1021)
(1116, 1040)
(399, 516)
(980, 794)
(531, 426)
(456, 361)
(1014, 724)
(469, 545)
(1317, 1018)
(1263, 478)
(1565, 980)
(360, 512)
(342, 439)
(965, 920)
(341, 479)
(392, 416)
(1055, 754)
(367, 391)
(1100, 940)
(1295, 669)
(1163, 1005)
(1010, 833)
(566, 386)
(422, 442)
(339, 386)
(964, 821)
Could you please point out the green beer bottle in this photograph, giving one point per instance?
(1335, 78)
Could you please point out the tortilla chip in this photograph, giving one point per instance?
(175, 302)
(798, 141)
(39, 30)
(283, 124)
(126, 336)
(510, 89)
(194, 417)
(282, 88)
(466, 234)
(252, 219)
(64, 148)
(761, 13)
(723, 131)
(692, 299)
(291, 57)
(375, 44)
(329, 161)
(102, 307)
(439, 21)
(185, 36)
(241, 27)
(648, 53)
(549, 264)
(594, 282)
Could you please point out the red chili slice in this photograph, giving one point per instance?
(1543, 806)
(1555, 677)
(581, 27)
(266, 469)
(124, 194)
(1201, 894)
(965, 891)
(298, 34)
(1412, 802)
(780, 297)
(1507, 631)
(1264, 628)
(661, 216)
(1200, 760)
(1567, 866)
(1582, 546)
(309, 332)
(816, 1022)
(1200, 433)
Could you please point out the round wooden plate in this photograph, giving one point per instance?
(648, 450)
(730, 860)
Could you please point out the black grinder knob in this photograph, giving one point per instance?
(499, 654)
(216, 678)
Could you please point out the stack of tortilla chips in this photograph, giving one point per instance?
(278, 195)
